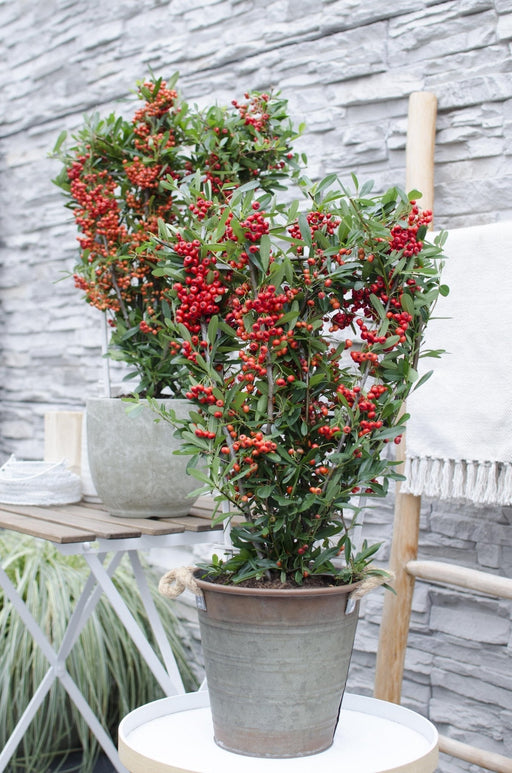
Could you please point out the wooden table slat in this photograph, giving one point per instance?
(36, 527)
(101, 529)
(198, 520)
(86, 522)
(150, 526)
(194, 523)
(199, 512)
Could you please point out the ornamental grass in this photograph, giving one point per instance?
(105, 663)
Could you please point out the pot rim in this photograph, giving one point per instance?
(237, 590)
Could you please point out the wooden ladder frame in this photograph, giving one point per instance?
(404, 561)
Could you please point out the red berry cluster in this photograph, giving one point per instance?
(317, 221)
(328, 432)
(203, 395)
(402, 321)
(244, 451)
(368, 405)
(405, 238)
(102, 234)
(112, 213)
(158, 103)
(254, 112)
(357, 307)
(201, 207)
(97, 211)
(141, 174)
(268, 305)
(255, 226)
(215, 174)
(204, 433)
(200, 294)
(153, 135)
(145, 328)
(265, 335)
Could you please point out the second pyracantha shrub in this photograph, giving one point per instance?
(116, 180)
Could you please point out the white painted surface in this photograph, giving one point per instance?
(372, 736)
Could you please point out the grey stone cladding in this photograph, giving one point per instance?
(347, 68)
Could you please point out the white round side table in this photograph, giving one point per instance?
(175, 735)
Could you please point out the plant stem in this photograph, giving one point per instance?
(119, 296)
(232, 456)
(270, 398)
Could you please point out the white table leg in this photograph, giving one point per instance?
(96, 727)
(99, 582)
(57, 670)
(84, 609)
(156, 623)
(165, 681)
(25, 719)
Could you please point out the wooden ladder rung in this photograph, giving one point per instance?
(451, 574)
(474, 755)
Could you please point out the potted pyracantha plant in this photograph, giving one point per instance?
(290, 333)
(116, 177)
(300, 327)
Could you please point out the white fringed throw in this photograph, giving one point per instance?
(459, 437)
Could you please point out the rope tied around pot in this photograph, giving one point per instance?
(174, 582)
(370, 583)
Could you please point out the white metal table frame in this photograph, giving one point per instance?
(98, 582)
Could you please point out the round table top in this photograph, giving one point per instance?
(175, 735)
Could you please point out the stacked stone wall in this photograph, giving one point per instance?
(347, 68)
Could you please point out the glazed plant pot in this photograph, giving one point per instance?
(132, 461)
(276, 664)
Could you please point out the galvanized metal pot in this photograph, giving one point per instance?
(276, 665)
(132, 461)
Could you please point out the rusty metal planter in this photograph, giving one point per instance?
(276, 665)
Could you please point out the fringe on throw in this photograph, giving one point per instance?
(483, 483)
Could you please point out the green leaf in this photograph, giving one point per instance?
(134, 409)
(261, 405)
(265, 491)
(172, 81)
(326, 182)
(440, 239)
(250, 186)
(265, 252)
(366, 188)
(378, 306)
(305, 231)
(199, 475)
(213, 327)
(60, 140)
(408, 303)
(184, 331)
(238, 230)
(291, 214)
(219, 231)
(288, 270)
(423, 379)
